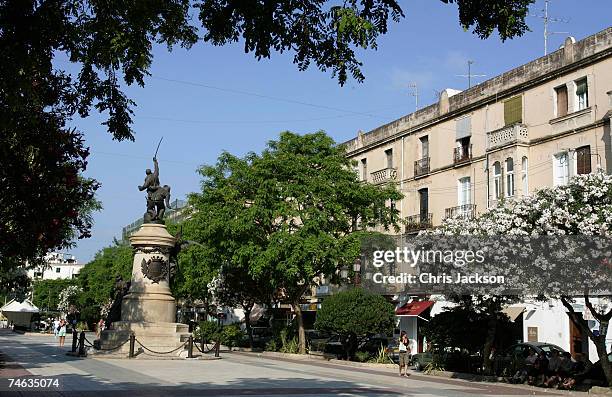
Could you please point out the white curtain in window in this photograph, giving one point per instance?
(524, 176)
(464, 191)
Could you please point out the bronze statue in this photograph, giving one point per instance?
(120, 290)
(158, 197)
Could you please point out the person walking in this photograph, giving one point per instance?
(404, 353)
(56, 324)
(99, 328)
(62, 332)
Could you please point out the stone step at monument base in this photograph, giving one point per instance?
(153, 340)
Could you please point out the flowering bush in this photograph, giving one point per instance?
(66, 299)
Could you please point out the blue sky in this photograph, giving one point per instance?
(210, 99)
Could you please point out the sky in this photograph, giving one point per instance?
(207, 100)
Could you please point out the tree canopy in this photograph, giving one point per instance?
(289, 216)
(106, 45)
(583, 207)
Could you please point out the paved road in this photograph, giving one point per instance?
(38, 357)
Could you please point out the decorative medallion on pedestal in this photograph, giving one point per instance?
(155, 269)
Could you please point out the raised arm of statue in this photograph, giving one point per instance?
(156, 167)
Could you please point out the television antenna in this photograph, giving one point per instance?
(547, 19)
(469, 75)
(415, 93)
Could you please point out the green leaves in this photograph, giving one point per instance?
(355, 311)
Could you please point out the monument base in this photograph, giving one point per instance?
(153, 340)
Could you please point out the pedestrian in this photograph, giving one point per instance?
(99, 328)
(56, 324)
(404, 353)
(62, 332)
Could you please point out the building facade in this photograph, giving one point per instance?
(57, 266)
(532, 127)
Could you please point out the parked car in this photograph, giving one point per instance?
(317, 339)
(261, 336)
(513, 357)
(448, 357)
(371, 345)
(333, 346)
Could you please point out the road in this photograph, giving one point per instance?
(236, 374)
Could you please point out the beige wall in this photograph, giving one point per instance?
(547, 135)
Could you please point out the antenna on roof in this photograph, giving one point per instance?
(469, 75)
(548, 20)
(415, 93)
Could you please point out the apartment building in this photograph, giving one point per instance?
(57, 266)
(534, 126)
(531, 127)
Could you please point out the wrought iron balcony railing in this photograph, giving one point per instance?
(466, 211)
(462, 154)
(384, 175)
(418, 222)
(421, 167)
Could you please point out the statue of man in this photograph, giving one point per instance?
(156, 195)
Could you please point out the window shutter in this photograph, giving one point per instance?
(561, 101)
(583, 160)
(464, 127)
(513, 110)
(581, 87)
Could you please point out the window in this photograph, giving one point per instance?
(582, 94)
(497, 181)
(513, 110)
(524, 175)
(423, 204)
(509, 177)
(57, 270)
(424, 146)
(364, 169)
(38, 274)
(464, 190)
(583, 160)
(560, 169)
(389, 156)
(463, 127)
(561, 94)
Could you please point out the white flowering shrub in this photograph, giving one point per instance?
(66, 298)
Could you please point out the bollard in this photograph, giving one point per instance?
(74, 340)
(132, 343)
(190, 347)
(217, 343)
(82, 344)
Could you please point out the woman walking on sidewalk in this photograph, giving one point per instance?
(404, 353)
(62, 332)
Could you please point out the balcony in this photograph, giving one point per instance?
(515, 133)
(414, 223)
(421, 167)
(384, 175)
(462, 154)
(466, 211)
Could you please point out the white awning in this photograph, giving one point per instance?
(19, 307)
(513, 312)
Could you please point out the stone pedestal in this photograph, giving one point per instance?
(148, 310)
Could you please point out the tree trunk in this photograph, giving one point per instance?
(247, 324)
(300, 322)
(600, 345)
(598, 340)
(491, 330)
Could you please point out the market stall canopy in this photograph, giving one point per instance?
(19, 307)
(413, 309)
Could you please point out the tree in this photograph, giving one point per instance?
(583, 207)
(355, 314)
(97, 279)
(291, 215)
(47, 292)
(235, 287)
(46, 202)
